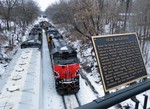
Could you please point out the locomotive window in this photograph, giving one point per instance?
(65, 56)
(72, 55)
(57, 56)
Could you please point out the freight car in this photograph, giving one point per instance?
(33, 41)
(45, 25)
(51, 34)
(36, 30)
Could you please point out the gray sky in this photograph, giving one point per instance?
(45, 3)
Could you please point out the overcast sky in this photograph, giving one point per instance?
(45, 3)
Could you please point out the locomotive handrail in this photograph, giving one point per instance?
(117, 97)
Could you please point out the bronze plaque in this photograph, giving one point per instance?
(119, 59)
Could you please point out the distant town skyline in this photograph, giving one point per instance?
(43, 4)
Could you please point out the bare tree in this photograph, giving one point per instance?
(7, 6)
(90, 17)
(140, 20)
(87, 17)
(84, 16)
(21, 12)
(27, 12)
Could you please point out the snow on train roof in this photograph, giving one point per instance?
(64, 48)
(20, 81)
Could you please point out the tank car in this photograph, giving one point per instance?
(33, 41)
(36, 31)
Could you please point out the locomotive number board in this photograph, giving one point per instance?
(119, 59)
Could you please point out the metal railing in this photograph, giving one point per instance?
(119, 96)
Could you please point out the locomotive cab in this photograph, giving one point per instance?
(64, 62)
(66, 70)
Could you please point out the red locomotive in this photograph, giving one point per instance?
(65, 64)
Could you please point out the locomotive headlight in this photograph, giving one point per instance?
(56, 75)
(77, 72)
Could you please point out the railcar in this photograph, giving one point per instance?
(65, 66)
(33, 41)
(36, 31)
(45, 25)
(51, 34)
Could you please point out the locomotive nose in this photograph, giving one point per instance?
(68, 75)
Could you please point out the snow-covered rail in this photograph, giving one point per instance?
(20, 84)
(71, 101)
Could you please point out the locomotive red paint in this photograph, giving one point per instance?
(66, 71)
(65, 63)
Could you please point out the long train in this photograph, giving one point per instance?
(20, 84)
(64, 61)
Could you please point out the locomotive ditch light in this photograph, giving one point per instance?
(56, 74)
(78, 72)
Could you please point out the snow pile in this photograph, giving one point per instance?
(64, 48)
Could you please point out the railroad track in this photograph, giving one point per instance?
(52, 100)
(71, 101)
(80, 98)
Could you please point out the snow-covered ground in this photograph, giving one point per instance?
(90, 82)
